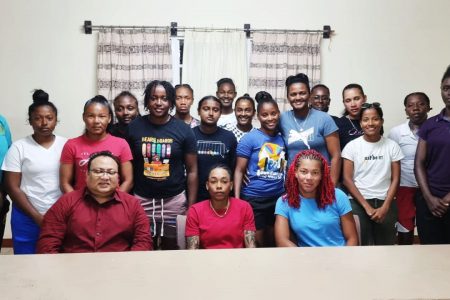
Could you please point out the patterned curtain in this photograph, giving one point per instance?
(275, 56)
(128, 59)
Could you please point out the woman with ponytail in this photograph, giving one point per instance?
(316, 212)
(261, 157)
(32, 173)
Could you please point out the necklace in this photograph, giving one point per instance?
(217, 214)
(353, 131)
(303, 122)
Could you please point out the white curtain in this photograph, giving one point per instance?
(128, 59)
(209, 56)
(275, 56)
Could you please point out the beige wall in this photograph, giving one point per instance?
(391, 47)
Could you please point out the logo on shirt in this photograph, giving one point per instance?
(156, 153)
(212, 148)
(304, 136)
(271, 161)
(373, 157)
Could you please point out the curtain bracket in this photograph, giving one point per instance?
(247, 30)
(88, 27)
(326, 31)
(173, 28)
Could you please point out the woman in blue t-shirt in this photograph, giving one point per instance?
(305, 128)
(316, 212)
(261, 156)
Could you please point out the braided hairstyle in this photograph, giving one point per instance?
(325, 194)
(150, 88)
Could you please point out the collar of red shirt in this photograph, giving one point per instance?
(88, 196)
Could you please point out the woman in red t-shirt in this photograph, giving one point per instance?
(222, 221)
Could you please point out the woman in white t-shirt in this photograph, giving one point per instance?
(32, 174)
(371, 175)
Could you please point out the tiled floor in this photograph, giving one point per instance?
(6, 251)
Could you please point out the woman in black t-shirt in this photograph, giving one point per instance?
(165, 162)
(353, 98)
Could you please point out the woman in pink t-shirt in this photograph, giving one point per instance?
(97, 116)
(222, 221)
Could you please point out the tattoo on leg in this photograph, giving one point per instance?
(193, 242)
(250, 239)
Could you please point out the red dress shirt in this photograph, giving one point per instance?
(78, 223)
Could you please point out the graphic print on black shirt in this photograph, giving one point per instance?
(156, 153)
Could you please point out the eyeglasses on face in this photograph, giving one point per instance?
(370, 105)
(101, 172)
(318, 98)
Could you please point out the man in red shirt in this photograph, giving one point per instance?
(98, 218)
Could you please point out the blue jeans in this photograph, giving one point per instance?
(25, 232)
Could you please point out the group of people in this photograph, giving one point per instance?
(299, 179)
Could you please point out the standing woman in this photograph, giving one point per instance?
(432, 168)
(215, 145)
(5, 143)
(353, 98)
(371, 175)
(316, 212)
(165, 162)
(31, 173)
(304, 128)
(417, 106)
(97, 116)
(261, 157)
(126, 109)
(244, 110)
(184, 97)
(222, 221)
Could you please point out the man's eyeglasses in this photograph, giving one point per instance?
(321, 98)
(101, 172)
(370, 105)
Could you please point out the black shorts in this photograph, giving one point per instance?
(263, 210)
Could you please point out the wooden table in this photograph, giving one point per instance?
(397, 272)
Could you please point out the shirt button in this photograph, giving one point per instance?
(98, 233)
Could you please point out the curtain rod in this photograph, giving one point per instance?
(174, 29)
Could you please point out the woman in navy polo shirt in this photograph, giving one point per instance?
(432, 169)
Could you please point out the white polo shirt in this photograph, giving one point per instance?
(407, 141)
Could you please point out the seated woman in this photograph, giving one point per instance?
(126, 109)
(222, 221)
(97, 115)
(316, 212)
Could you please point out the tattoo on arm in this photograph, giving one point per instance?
(193, 242)
(250, 239)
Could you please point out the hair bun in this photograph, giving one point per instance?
(40, 96)
(263, 96)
